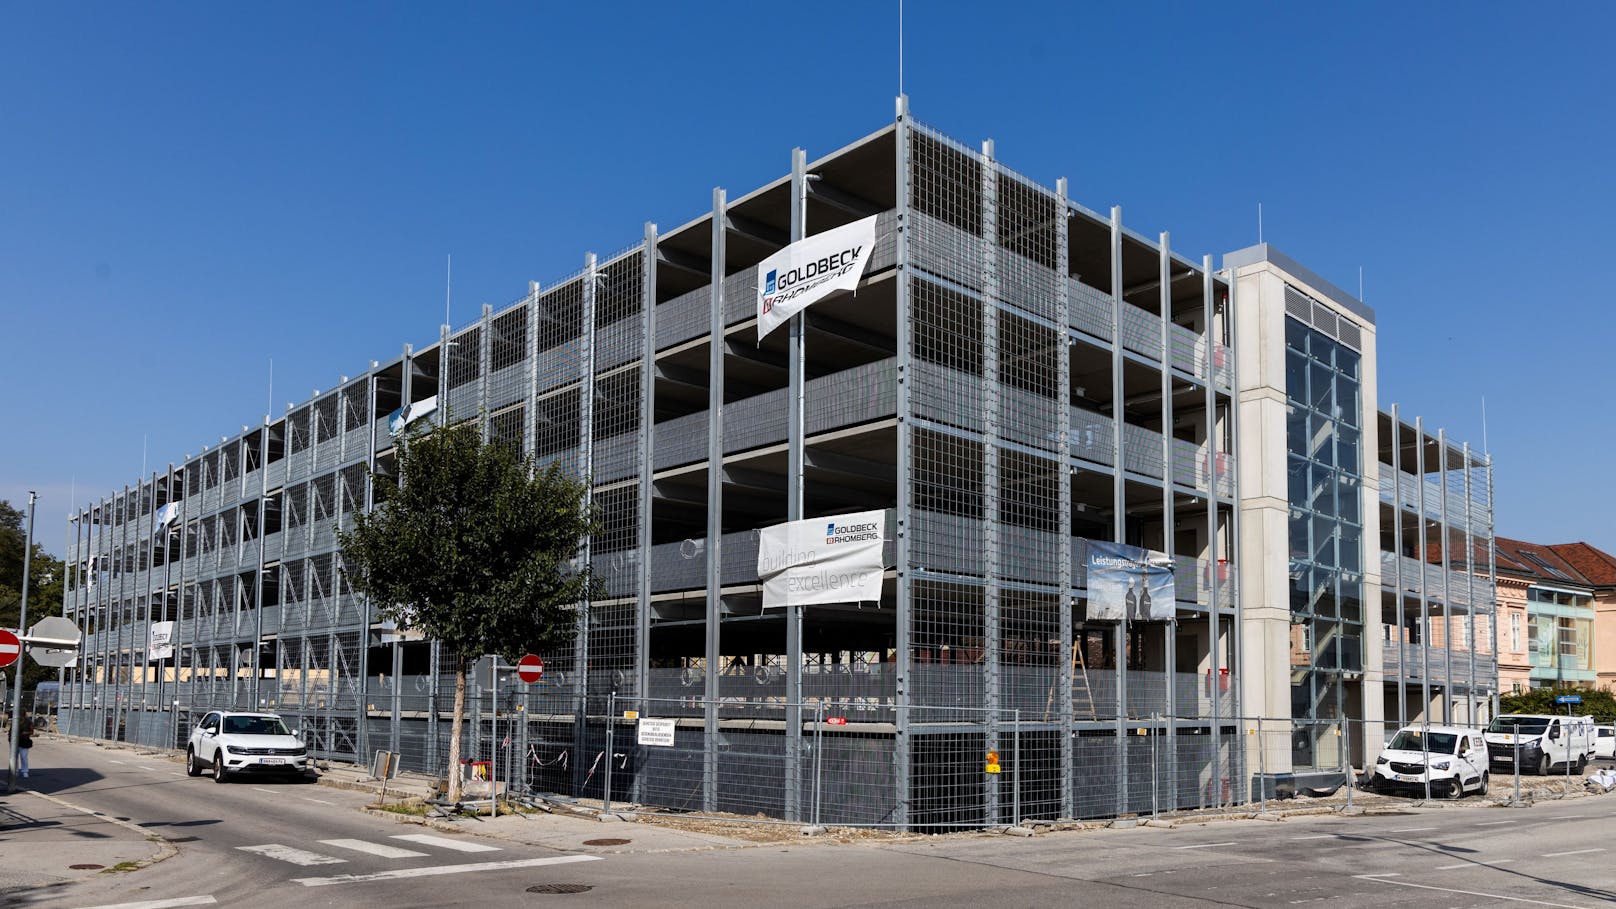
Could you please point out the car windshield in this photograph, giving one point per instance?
(255, 725)
(1517, 725)
(1413, 740)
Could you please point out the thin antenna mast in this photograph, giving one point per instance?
(270, 414)
(1360, 284)
(1484, 448)
(448, 283)
(900, 47)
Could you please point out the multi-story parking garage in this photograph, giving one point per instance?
(1016, 377)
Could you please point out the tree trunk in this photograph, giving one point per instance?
(454, 728)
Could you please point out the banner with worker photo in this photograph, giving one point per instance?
(810, 270)
(1127, 582)
(835, 559)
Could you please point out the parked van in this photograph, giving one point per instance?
(1605, 741)
(1545, 742)
(1452, 758)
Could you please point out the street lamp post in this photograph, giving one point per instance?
(22, 623)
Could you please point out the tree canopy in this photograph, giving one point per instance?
(47, 577)
(1601, 705)
(476, 549)
(471, 547)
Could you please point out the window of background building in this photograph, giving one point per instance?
(1515, 632)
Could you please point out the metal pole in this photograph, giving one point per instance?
(819, 751)
(1425, 748)
(1015, 777)
(1346, 758)
(22, 628)
(1262, 771)
(611, 720)
(493, 736)
(1155, 774)
(1568, 733)
(1517, 799)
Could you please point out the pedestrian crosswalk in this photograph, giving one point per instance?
(295, 856)
(420, 846)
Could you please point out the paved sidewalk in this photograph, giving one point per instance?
(49, 843)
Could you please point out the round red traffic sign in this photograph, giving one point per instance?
(530, 668)
(10, 648)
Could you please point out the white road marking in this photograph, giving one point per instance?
(1317, 836)
(1574, 852)
(1412, 830)
(445, 869)
(1568, 817)
(1204, 845)
(295, 856)
(444, 842)
(1473, 864)
(161, 904)
(262, 789)
(1381, 878)
(111, 761)
(381, 849)
(321, 801)
(1495, 823)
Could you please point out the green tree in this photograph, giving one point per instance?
(1600, 705)
(476, 549)
(46, 579)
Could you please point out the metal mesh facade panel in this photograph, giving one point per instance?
(998, 438)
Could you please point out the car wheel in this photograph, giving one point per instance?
(191, 768)
(1582, 764)
(1543, 765)
(218, 769)
(1483, 789)
(1454, 790)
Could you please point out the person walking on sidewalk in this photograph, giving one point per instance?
(25, 741)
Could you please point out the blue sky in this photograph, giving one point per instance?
(188, 191)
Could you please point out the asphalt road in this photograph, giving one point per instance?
(264, 842)
(1465, 855)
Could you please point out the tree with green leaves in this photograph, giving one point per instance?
(46, 579)
(475, 548)
(1597, 703)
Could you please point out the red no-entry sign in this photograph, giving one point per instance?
(530, 668)
(10, 648)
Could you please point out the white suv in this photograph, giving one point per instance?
(1452, 758)
(227, 743)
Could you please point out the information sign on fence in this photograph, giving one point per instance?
(657, 732)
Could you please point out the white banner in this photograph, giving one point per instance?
(810, 270)
(835, 559)
(160, 646)
(409, 413)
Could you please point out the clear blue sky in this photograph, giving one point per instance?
(190, 190)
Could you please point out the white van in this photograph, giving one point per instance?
(1546, 741)
(1605, 741)
(1453, 758)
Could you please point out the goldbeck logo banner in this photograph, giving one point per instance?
(810, 270)
(834, 559)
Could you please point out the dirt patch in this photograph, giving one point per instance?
(758, 829)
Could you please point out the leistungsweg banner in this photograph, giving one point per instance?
(1129, 582)
(834, 559)
(810, 270)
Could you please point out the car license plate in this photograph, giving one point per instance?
(272, 761)
(1407, 777)
(1505, 759)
